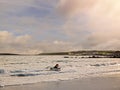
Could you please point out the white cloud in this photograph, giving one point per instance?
(5, 37)
(69, 8)
(102, 18)
(57, 42)
(11, 43)
(110, 45)
(84, 24)
(25, 44)
(22, 39)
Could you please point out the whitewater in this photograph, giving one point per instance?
(19, 70)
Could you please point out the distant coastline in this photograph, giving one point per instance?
(8, 54)
(89, 54)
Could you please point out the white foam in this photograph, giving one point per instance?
(33, 69)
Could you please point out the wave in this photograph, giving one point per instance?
(22, 69)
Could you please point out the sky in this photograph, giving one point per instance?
(38, 26)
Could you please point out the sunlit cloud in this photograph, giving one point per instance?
(8, 42)
(34, 26)
(102, 22)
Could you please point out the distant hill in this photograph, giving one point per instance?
(55, 53)
(8, 54)
(94, 53)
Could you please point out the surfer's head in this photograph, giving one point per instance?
(57, 65)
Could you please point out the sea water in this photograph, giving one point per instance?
(18, 70)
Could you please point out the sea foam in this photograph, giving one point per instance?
(16, 70)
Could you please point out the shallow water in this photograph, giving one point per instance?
(32, 69)
(101, 83)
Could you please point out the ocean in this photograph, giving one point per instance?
(19, 70)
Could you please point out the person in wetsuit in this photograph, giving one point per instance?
(56, 66)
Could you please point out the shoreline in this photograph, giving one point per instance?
(104, 81)
(60, 80)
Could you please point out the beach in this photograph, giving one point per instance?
(108, 82)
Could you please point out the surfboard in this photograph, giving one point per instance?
(55, 69)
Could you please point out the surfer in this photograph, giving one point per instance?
(55, 68)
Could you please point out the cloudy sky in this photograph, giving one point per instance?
(35, 26)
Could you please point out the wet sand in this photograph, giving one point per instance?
(111, 82)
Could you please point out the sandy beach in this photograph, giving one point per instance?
(111, 82)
